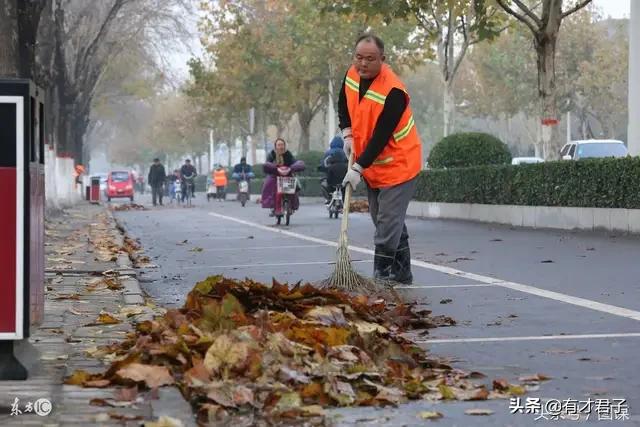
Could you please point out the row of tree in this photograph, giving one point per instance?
(71, 48)
(287, 58)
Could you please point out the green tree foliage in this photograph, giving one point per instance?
(278, 57)
(451, 27)
(469, 149)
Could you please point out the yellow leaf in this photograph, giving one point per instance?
(447, 393)
(430, 415)
(107, 319)
(78, 378)
(164, 421)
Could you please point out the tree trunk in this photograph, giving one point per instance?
(9, 52)
(545, 44)
(29, 13)
(304, 119)
(449, 108)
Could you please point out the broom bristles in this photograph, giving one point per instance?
(344, 277)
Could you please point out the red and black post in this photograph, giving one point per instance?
(22, 121)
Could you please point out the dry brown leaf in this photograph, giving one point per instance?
(97, 383)
(534, 378)
(153, 376)
(225, 353)
(327, 315)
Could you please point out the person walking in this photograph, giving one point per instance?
(156, 179)
(378, 126)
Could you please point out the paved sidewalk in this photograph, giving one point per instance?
(88, 274)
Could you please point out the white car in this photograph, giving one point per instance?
(593, 148)
(526, 160)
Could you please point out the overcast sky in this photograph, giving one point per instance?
(614, 8)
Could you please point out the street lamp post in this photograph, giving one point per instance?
(633, 136)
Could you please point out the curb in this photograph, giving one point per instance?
(534, 217)
(132, 291)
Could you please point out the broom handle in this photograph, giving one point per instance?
(345, 209)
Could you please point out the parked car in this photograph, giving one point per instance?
(593, 148)
(526, 160)
(119, 184)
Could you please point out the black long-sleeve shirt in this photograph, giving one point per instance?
(394, 106)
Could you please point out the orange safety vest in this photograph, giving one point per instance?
(401, 159)
(220, 178)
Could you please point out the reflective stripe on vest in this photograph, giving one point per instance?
(401, 159)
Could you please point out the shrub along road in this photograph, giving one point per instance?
(527, 301)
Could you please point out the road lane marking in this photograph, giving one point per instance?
(477, 285)
(277, 264)
(557, 296)
(529, 338)
(255, 248)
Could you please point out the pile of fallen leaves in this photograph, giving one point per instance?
(359, 206)
(128, 207)
(240, 348)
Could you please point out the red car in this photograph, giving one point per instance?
(119, 184)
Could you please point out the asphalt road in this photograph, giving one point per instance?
(564, 304)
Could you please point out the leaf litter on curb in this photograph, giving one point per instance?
(280, 353)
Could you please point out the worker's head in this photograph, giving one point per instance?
(280, 146)
(243, 160)
(156, 160)
(368, 56)
(187, 162)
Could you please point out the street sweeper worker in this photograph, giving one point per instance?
(378, 126)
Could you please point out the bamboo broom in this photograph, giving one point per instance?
(344, 277)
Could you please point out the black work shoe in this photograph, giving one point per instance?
(401, 268)
(382, 263)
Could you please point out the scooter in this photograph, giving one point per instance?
(335, 205)
(243, 191)
(178, 191)
(286, 189)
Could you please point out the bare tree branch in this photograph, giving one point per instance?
(518, 16)
(528, 12)
(576, 8)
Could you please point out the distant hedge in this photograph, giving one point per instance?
(469, 149)
(599, 183)
(310, 187)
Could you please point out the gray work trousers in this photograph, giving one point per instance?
(388, 209)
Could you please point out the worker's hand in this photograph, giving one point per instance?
(353, 176)
(348, 141)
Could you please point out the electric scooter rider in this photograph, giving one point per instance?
(242, 172)
(334, 165)
(279, 157)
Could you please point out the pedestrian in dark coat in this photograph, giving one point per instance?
(156, 179)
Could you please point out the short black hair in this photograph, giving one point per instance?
(188, 161)
(156, 159)
(370, 37)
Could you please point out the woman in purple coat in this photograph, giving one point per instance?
(278, 157)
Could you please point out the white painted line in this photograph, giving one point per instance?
(557, 296)
(531, 338)
(256, 248)
(478, 285)
(278, 264)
